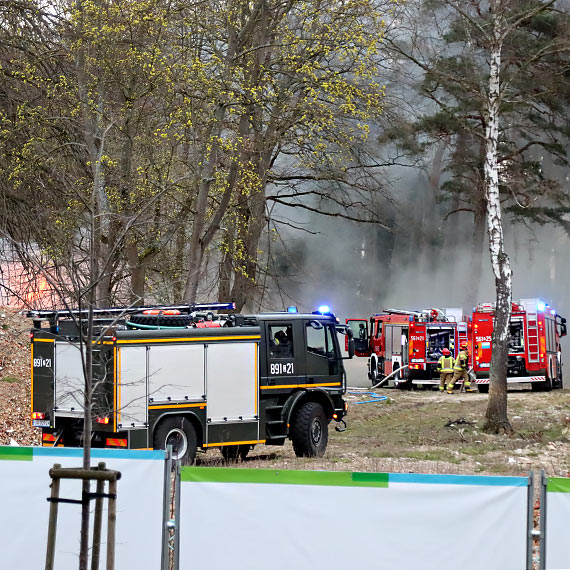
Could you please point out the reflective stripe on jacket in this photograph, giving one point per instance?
(445, 364)
(461, 361)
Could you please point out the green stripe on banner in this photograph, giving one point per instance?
(16, 454)
(285, 477)
(558, 485)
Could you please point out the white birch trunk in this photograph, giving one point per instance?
(497, 408)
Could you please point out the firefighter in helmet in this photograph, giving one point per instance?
(460, 369)
(445, 368)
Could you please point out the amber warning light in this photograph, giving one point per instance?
(104, 421)
(38, 416)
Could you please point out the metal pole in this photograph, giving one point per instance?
(543, 505)
(166, 501)
(52, 525)
(530, 520)
(177, 515)
(111, 524)
(97, 521)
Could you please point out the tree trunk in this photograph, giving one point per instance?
(496, 414)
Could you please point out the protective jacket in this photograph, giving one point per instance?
(445, 364)
(462, 360)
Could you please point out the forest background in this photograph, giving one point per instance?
(278, 153)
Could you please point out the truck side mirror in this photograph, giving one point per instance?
(350, 347)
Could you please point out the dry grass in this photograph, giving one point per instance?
(410, 433)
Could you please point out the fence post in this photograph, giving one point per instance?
(177, 514)
(97, 522)
(52, 525)
(542, 527)
(166, 500)
(111, 524)
(530, 521)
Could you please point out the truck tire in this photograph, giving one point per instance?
(180, 433)
(373, 369)
(230, 453)
(310, 430)
(161, 320)
(483, 388)
(545, 386)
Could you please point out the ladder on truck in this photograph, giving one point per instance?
(532, 336)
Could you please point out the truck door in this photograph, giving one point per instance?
(361, 336)
(285, 353)
(482, 345)
(322, 354)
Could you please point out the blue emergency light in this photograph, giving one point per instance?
(324, 309)
(292, 310)
(541, 306)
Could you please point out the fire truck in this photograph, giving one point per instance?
(534, 344)
(186, 377)
(408, 340)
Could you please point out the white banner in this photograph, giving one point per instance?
(25, 487)
(557, 524)
(254, 520)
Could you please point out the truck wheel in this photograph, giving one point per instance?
(545, 386)
(230, 453)
(310, 430)
(483, 388)
(181, 435)
(373, 369)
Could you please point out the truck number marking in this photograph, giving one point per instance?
(42, 362)
(483, 338)
(280, 368)
(417, 337)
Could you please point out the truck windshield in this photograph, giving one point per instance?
(320, 339)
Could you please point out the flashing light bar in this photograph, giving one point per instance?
(541, 306)
(324, 309)
(292, 310)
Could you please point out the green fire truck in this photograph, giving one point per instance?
(189, 377)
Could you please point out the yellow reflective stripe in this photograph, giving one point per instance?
(160, 407)
(32, 383)
(300, 386)
(195, 339)
(44, 340)
(253, 441)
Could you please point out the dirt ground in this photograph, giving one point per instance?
(428, 432)
(418, 431)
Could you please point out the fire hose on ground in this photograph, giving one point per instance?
(381, 381)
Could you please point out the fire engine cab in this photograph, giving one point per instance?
(534, 344)
(408, 340)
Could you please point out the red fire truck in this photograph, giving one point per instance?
(534, 344)
(411, 340)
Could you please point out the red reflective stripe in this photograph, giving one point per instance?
(48, 437)
(116, 442)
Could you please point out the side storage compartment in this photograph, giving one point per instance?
(232, 388)
(131, 400)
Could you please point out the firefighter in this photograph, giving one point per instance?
(445, 369)
(460, 369)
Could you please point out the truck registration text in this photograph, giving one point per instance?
(42, 362)
(280, 368)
